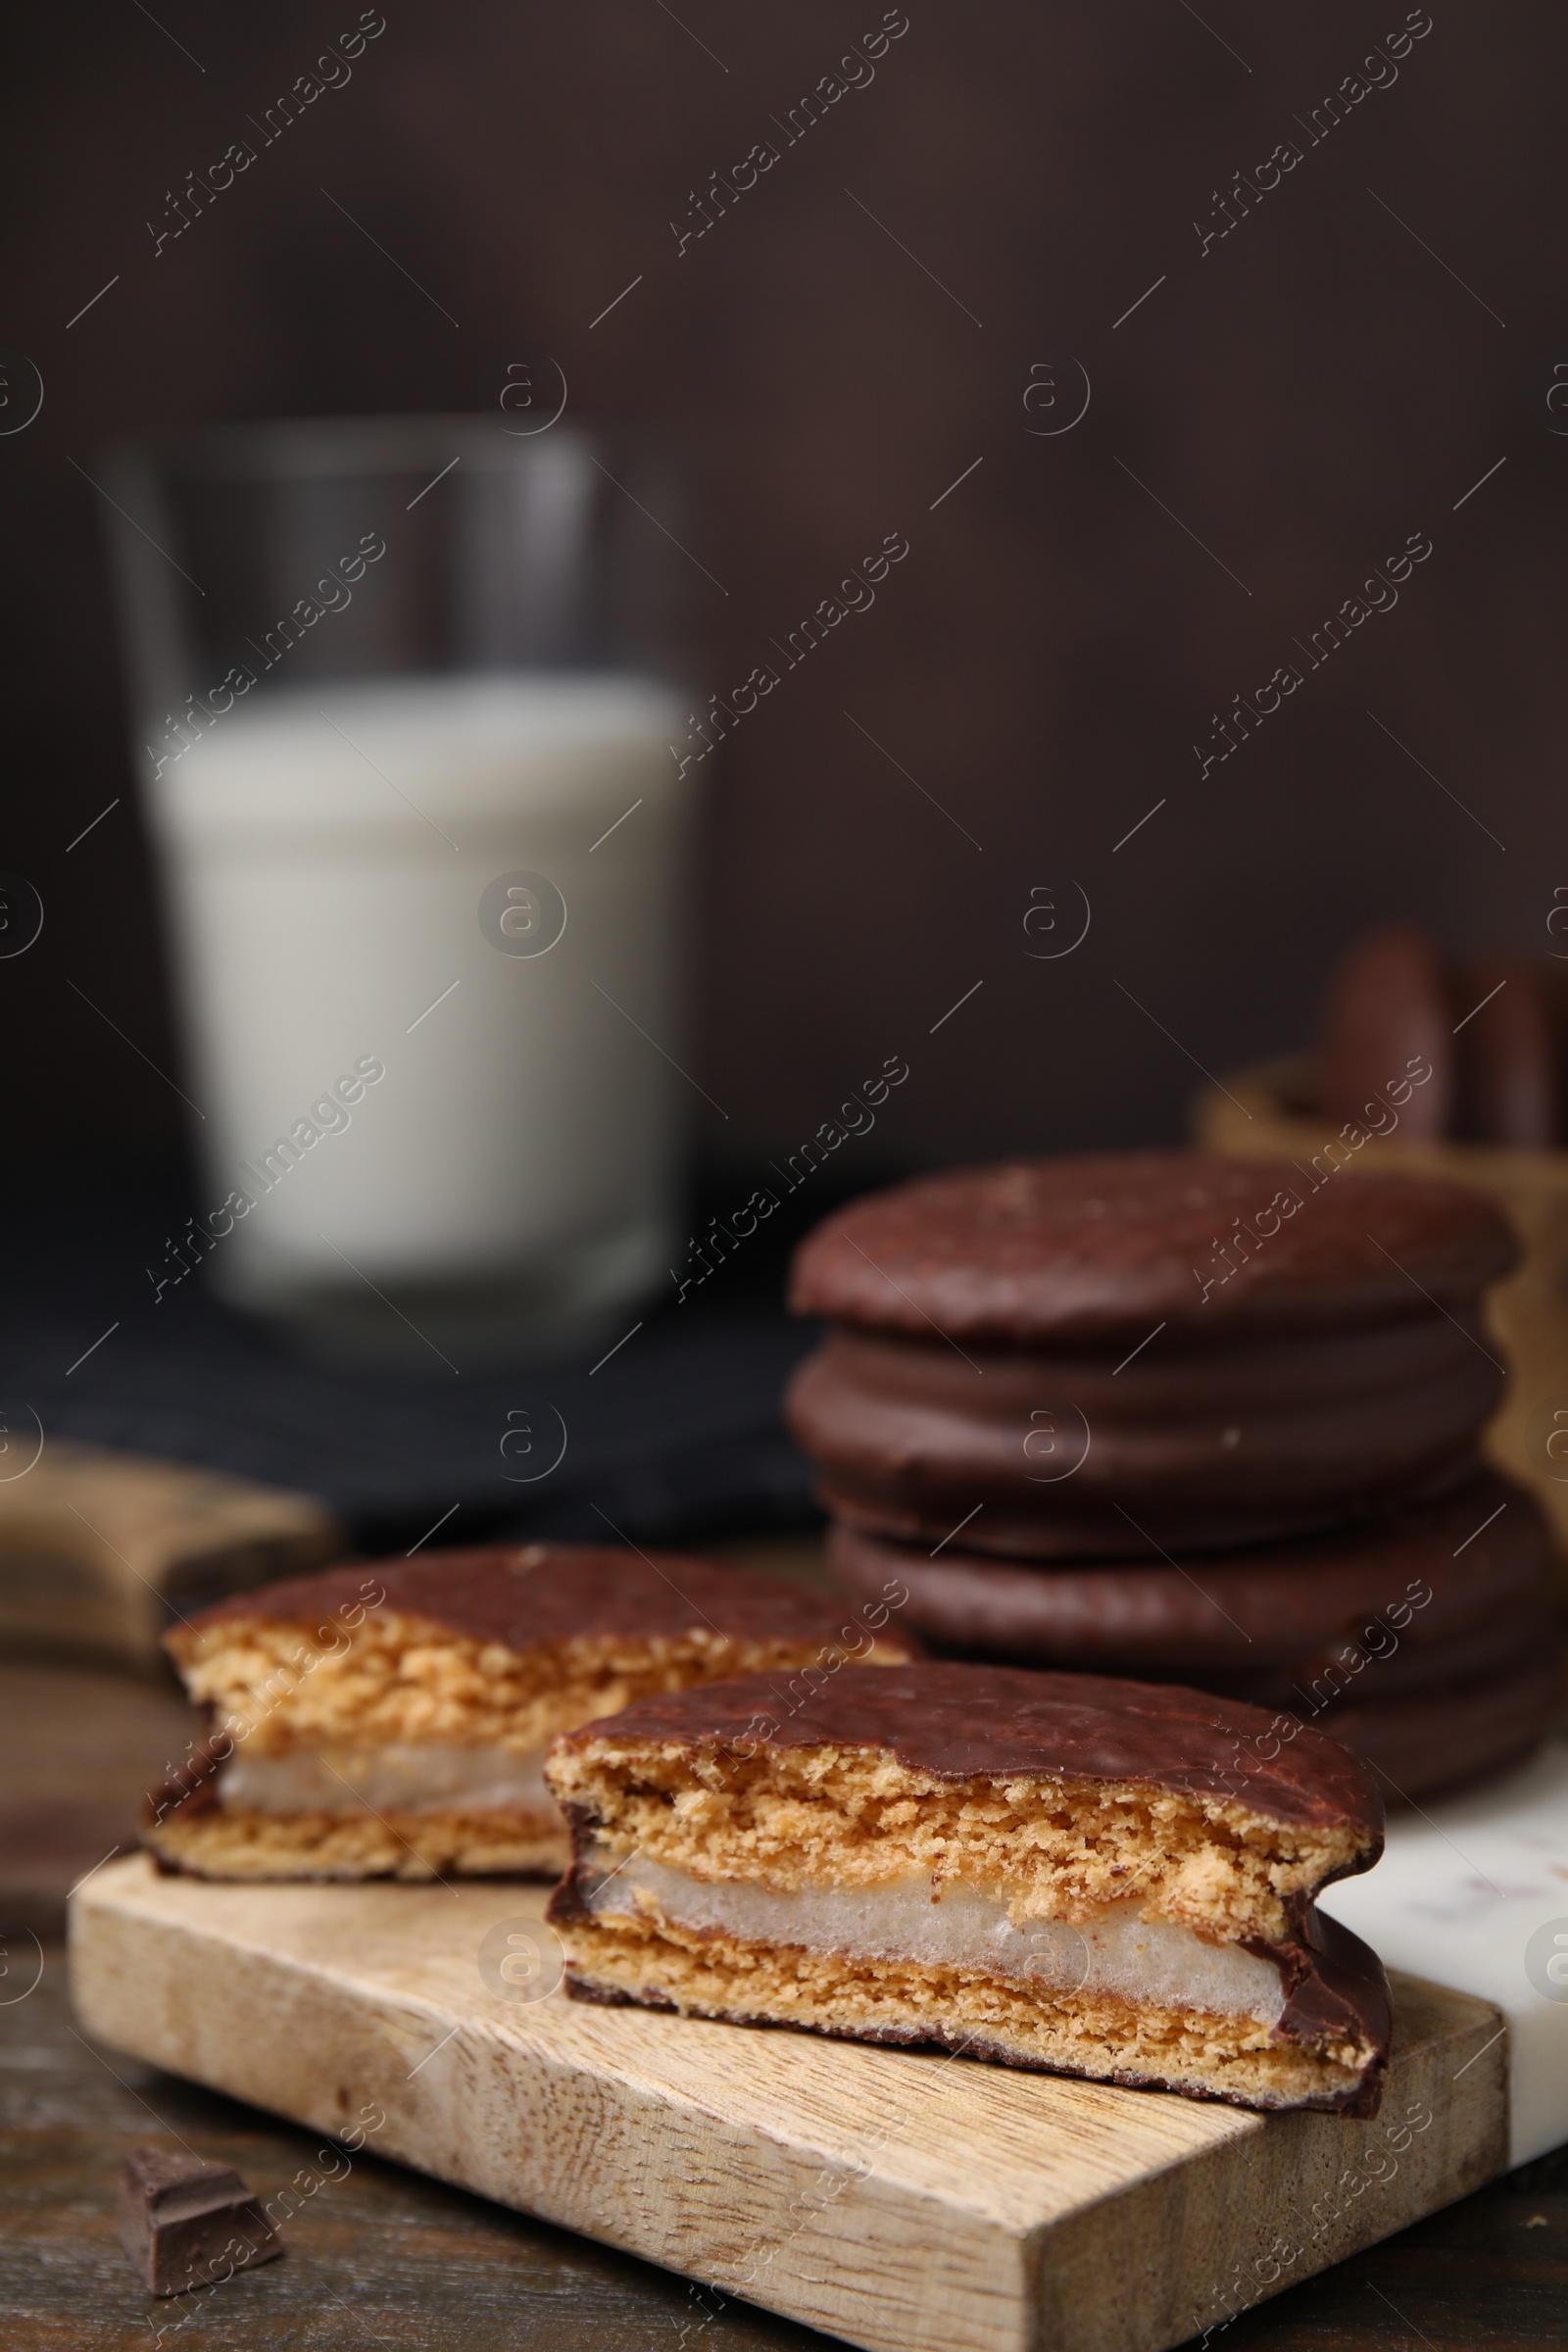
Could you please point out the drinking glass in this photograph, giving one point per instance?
(404, 692)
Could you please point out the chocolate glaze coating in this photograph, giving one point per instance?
(189, 1788)
(1320, 1689)
(1463, 1689)
(1292, 1606)
(1335, 1988)
(1088, 1253)
(1428, 1722)
(1427, 1743)
(965, 1721)
(1494, 1035)
(1087, 1455)
(531, 1596)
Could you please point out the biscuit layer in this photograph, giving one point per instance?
(664, 1966)
(214, 1844)
(848, 1817)
(405, 1680)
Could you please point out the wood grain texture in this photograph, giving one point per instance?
(78, 1753)
(898, 2199)
(392, 2257)
(100, 1551)
(378, 2256)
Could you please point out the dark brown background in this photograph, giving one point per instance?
(1315, 389)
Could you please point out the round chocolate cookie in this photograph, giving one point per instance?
(1057, 1457)
(1093, 1252)
(1081, 1358)
(1428, 1743)
(1435, 1582)
(1421, 1644)
(1477, 1050)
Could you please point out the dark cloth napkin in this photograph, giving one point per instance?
(675, 1437)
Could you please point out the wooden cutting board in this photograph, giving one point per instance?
(900, 2199)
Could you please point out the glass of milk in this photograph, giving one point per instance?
(403, 705)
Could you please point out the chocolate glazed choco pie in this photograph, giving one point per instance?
(1056, 1871)
(1421, 1641)
(1082, 1357)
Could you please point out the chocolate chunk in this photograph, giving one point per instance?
(186, 2222)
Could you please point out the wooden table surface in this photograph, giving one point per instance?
(381, 2255)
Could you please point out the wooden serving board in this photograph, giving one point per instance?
(900, 2199)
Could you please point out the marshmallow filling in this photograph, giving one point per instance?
(1114, 1951)
(407, 1777)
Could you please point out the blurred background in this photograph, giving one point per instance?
(1148, 335)
(848, 339)
(1151, 335)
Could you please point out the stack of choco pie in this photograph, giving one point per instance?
(1190, 1420)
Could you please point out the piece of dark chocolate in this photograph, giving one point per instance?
(186, 2223)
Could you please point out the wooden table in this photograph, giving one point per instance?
(380, 2255)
